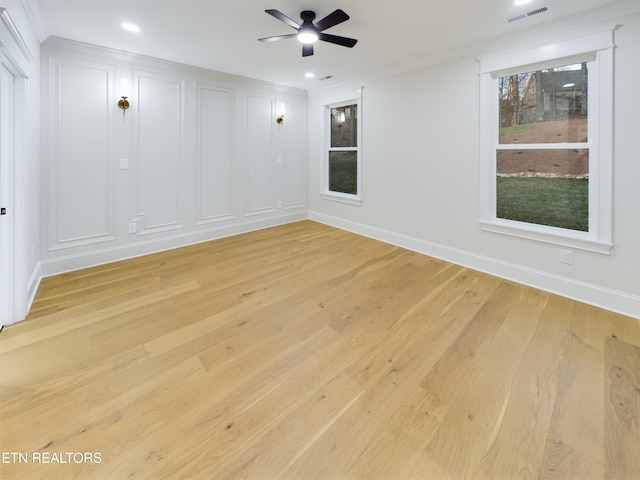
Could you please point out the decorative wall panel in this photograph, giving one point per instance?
(214, 153)
(80, 177)
(292, 144)
(159, 152)
(260, 122)
(197, 156)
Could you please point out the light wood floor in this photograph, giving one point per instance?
(305, 352)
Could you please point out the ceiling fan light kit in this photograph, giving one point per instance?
(309, 33)
(307, 37)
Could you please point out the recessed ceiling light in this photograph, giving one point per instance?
(309, 75)
(131, 27)
(521, 2)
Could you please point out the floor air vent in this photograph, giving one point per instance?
(528, 14)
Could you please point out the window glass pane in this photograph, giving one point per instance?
(543, 162)
(545, 106)
(344, 126)
(544, 187)
(343, 172)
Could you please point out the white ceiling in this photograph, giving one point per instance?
(222, 34)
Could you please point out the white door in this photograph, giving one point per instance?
(7, 157)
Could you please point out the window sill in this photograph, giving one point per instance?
(548, 235)
(341, 197)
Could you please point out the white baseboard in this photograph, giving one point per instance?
(32, 286)
(25, 294)
(609, 299)
(77, 261)
(614, 300)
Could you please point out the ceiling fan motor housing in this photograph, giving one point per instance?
(307, 15)
(308, 32)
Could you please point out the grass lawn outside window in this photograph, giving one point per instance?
(556, 202)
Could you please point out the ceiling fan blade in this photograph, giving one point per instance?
(283, 18)
(307, 49)
(277, 37)
(344, 41)
(331, 20)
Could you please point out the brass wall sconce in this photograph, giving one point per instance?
(280, 117)
(123, 103)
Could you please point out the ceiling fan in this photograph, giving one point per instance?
(309, 32)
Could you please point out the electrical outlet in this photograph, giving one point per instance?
(133, 227)
(278, 204)
(124, 164)
(566, 256)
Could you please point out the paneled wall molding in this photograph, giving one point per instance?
(215, 120)
(80, 146)
(260, 159)
(194, 157)
(289, 139)
(159, 150)
(81, 242)
(142, 229)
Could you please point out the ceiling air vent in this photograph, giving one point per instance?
(528, 14)
(517, 17)
(537, 11)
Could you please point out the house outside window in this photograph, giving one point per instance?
(546, 143)
(343, 172)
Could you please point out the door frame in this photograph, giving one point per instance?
(13, 117)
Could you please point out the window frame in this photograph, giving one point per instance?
(355, 199)
(597, 50)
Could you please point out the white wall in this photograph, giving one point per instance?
(20, 35)
(205, 156)
(421, 179)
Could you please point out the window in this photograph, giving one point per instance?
(546, 143)
(343, 167)
(542, 155)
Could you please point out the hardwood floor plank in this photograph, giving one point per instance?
(521, 433)
(289, 438)
(575, 440)
(449, 375)
(622, 409)
(477, 408)
(337, 304)
(390, 372)
(251, 403)
(409, 429)
(307, 352)
(68, 323)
